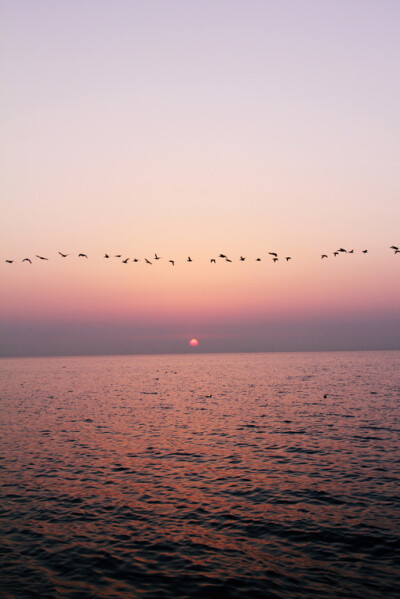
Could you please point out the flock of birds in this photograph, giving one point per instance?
(274, 256)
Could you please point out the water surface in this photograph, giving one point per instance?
(201, 476)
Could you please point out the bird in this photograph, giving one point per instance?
(351, 251)
(147, 261)
(213, 261)
(9, 261)
(273, 254)
(288, 258)
(364, 251)
(118, 256)
(323, 256)
(227, 260)
(156, 257)
(222, 256)
(258, 259)
(106, 256)
(397, 251)
(41, 257)
(135, 260)
(342, 250)
(242, 258)
(394, 247)
(63, 255)
(189, 259)
(336, 254)
(275, 259)
(82, 256)
(172, 262)
(27, 260)
(125, 261)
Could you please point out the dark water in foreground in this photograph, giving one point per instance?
(201, 476)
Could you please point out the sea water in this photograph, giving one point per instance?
(225, 475)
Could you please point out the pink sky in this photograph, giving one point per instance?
(194, 129)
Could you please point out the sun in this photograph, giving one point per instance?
(193, 342)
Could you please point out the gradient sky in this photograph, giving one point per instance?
(194, 128)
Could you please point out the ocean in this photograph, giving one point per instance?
(200, 476)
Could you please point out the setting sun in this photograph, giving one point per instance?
(193, 342)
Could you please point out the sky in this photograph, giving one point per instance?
(195, 129)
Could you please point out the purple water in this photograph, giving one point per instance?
(227, 475)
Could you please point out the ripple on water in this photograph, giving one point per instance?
(205, 476)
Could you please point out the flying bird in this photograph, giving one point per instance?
(82, 256)
(336, 254)
(125, 261)
(242, 258)
(351, 251)
(27, 260)
(41, 257)
(342, 250)
(273, 254)
(135, 260)
(63, 255)
(189, 259)
(288, 258)
(9, 261)
(222, 256)
(394, 247)
(364, 252)
(106, 256)
(258, 259)
(172, 262)
(147, 261)
(213, 261)
(118, 256)
(227, 260)
(275, 259)
(156, 257)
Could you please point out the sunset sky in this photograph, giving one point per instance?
(194, 129)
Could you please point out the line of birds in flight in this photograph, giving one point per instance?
(274, 256)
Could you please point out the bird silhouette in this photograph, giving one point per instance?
(156, 257)
(41, 257)
(106, 256)
(258, 259)
(394, 247)
(27, 260)
(275, 259)
(135, 260)
(172, 262)
(351, 251)
(288, 258)
(82, 256)
(342, 250)
(125, 261)
(189, 259)
(273, 254)
(324, 256)
(147, 261)
(213, 261)
(397, 251)
(118, 256)
(242, 258)
(222, 256)
(63, 255)
(364, 251)
(9, 261)
(227, 260)
(336, 254)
